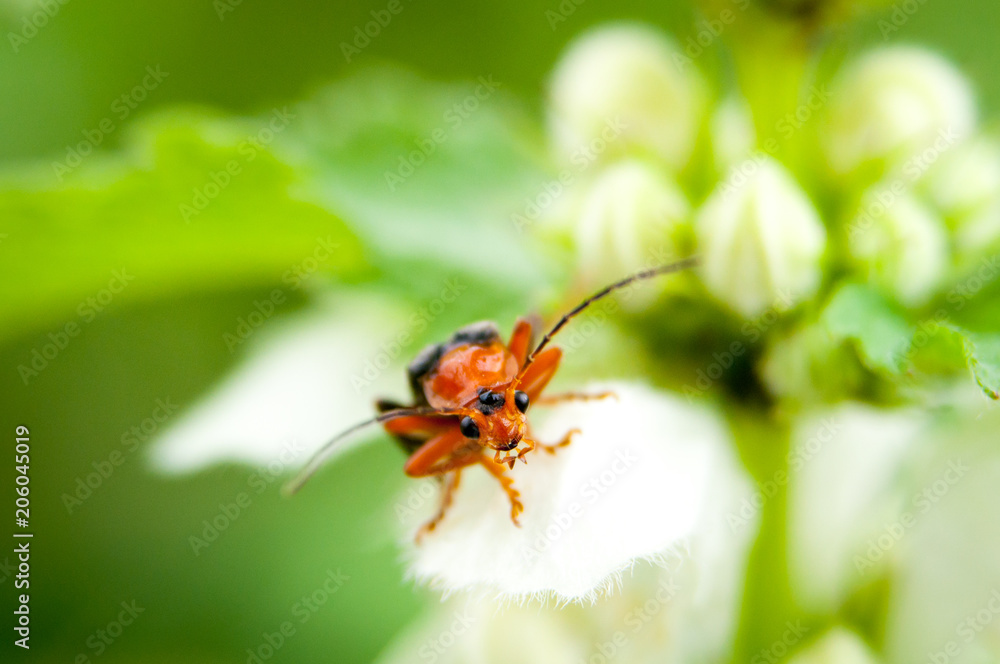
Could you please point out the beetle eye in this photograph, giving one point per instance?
(521, 400)
(468, 427)
(490, 399)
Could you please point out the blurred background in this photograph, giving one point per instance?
(225, 66)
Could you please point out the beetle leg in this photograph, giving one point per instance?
(447, 494)
(573, 396)
(436, 455)
(541, 371)
(418, 426)
(440, 456)
(520, 340)
(529, 445)
(566, 440)
(497, 470)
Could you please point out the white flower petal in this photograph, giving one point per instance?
(468, 631)
(638, 479)
(309, 378)
(844, 488)
(894, 103)
(683, 609)
(945, 600)
(622, 87)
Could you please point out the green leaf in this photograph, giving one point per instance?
(192, 204)
(428, 169)
(880, 334)
(981, 354)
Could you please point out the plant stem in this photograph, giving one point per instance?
(768, 605)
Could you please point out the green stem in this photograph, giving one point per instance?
(768, 605)
(773, 62)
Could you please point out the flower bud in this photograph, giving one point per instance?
(808, 365)
(760, 239)
(965, 186)
(625, 89)
(894, 103)
(900, 244)
(838, 645)
(629, 219)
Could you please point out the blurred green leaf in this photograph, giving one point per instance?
(880, 334)
(192, 203)
(427, 169)
(982, 355)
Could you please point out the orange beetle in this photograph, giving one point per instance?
(471, 395)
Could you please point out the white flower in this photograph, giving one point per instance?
(681, 605)
(945, 600)
(306, 379)
(900, 244)
(894, 103)
(622, 87)
(845, 492)
(760, 239)
(965, 185)
(838, 646)
(645, 474)
(629, 211)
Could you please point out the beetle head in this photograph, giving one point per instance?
(496, 418)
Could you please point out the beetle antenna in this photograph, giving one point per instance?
(328, 448)
(607, 290)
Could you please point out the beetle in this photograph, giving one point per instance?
(471, 397)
